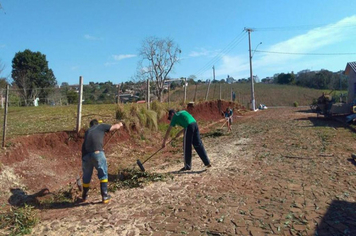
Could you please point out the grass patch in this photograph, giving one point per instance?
(18, 220)
(134, 178)
(63, 197)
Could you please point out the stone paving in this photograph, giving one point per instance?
(279, 172)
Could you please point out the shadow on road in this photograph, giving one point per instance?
(186, 172)
(322, 122)
(20, 198)
(353, 161)
(340, 219)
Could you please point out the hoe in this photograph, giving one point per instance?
(141, 164)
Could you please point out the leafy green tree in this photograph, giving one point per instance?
(72, 96)
(286, 78)
(32, 75)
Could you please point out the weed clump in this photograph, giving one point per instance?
(120, 112)
(18, 220)
(134, 178)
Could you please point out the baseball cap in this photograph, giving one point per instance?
(171, 113)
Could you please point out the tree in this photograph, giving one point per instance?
(158, 59)
(3, 81)
(72, 96)
(286, 78)
(31, 74)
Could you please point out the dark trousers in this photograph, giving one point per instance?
(192, 137)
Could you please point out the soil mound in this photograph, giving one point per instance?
(208, 111)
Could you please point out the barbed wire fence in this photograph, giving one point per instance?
(60, 109)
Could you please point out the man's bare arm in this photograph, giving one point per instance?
(116, 126)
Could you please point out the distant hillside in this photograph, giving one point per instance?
(268, 94)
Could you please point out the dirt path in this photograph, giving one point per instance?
(281, 171)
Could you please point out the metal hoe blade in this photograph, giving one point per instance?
(140, 165)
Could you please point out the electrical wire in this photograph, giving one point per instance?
(302, 27)
(223, 52)
(308, 54)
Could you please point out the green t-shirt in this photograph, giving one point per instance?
(182, 118)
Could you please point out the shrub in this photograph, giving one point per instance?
(19, 221)
(159, 109)
(120, 112)
(295, 104)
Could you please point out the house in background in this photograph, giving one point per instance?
(350, 70)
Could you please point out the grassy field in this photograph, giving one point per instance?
(45, 119)
(268, 94)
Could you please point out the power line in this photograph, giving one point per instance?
(223, 52)
(309, 54)
(302, 27)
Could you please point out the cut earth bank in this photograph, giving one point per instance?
(53, 161)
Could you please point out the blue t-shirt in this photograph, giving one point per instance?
(228, 113)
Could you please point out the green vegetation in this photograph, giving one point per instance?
(134, 178)
(267, 94)
(43, 119)
(18, 220)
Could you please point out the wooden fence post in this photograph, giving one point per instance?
(79, 115)
(195, 93)
(5, 115)
(207, 92)
(148, 94)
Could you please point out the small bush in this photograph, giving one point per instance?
(159, 109)
(120, 112)
(295, 104)
(151, 121)
(18, 221)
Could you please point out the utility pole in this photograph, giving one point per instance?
(251, 75)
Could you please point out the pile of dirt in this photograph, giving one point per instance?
(208, 111)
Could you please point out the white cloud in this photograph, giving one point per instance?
(110, 64)
(325, 39)
(203, 52)
(315, 39)
(90, 37)
(232, 66)
(123, 56)
(2, 45)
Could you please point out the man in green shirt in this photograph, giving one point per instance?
(191, 137)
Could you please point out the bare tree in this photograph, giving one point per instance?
(158, 59)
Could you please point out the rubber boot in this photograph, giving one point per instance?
(85, 194)
(104, 192)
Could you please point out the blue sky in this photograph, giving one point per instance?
(100, 40)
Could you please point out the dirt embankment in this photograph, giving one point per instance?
(53, 160)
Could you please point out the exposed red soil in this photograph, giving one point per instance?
(53, 160)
